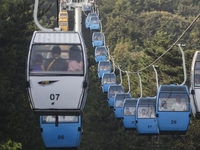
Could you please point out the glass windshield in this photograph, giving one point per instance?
(129, 111)
(94, 20)
(56, 59)
(97, 36)
(114, 90)
(100, 51)
(109, 79)
(104, 66)
(146, 108)
(173, 102)
(197, 74)
(61, 119)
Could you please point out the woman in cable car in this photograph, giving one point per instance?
(112, 90)
(87, 19)
(118, 103)
(103, 67)
(195, 85)
(100, 53)
(129, 113)
(57, 82)
(108, 79)
(146, 122)
(173, 109)
(97, 39)
(94, 23)
(66, 133)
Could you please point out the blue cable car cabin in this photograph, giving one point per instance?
(107, 80)
(146, 122)
(87, 19)
(94, 23)
(97, 39)
(173, 109)
(195, 85)
(112, 90)
(66, 134)
(129, 113)
(103, 67)
(57, 73)
(118, 104)
(100, 53)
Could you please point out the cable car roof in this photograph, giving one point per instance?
(56, 37)
(173, 88)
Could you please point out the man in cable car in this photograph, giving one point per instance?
(56, 63)
(142, 113)
(179, 105)
(128, 112)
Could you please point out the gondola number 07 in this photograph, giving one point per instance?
(54, 96)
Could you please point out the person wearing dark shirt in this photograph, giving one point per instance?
(56, 63)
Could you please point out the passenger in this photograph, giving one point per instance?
(75, 62)
(179, 105)
(95, 38)
(37, 63)
(56, 63)
(107, 68)
(50, 119)
(111, 93)
(143, 114)
(128, 112)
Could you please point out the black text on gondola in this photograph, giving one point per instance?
(54, 96)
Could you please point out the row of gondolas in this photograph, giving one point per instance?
(167, 113)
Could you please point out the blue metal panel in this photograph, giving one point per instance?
(94, 26)
(146, 122)
(129, 122)
(64, 135)
(96, 43)
(147, 126)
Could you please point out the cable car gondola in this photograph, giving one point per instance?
(146, 122)
(118, 103)
(94, 23)
(129, 113)
(66, 134)
(107, 80)
(63, 20)
(57, 72)
(87, 19)
(103, 67)
(195, 85)
(100, 53)
(112, 90)
(173, 109)
(97, 39)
